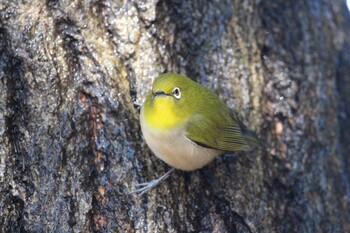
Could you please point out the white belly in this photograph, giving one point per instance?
(176, 150)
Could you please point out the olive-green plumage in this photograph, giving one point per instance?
(179, 109)
(186, 125)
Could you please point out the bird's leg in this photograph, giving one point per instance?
(137, 104)
(145, 187)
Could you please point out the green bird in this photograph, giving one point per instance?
(187, 125)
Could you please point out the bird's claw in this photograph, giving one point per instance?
(146, 186)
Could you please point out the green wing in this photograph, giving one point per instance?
(225, 135)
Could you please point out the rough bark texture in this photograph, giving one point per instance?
(70, 142)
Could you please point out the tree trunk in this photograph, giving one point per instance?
(70, 142)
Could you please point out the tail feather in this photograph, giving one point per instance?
(252, 139)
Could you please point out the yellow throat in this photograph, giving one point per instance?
(160, 113)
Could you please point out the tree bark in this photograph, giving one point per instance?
(70, 142)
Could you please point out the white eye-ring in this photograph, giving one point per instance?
(177, 93)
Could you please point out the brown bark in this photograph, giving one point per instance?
(70, 142)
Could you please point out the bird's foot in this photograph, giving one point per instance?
(137, 104)
(145, 187)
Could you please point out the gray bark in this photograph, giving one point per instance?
(70, 142)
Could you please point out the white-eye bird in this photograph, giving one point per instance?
(186, 125)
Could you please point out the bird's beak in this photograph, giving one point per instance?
(159, 93)
(154, 94)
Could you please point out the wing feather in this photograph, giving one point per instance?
(226, 135)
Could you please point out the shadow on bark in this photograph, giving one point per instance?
(70, 143)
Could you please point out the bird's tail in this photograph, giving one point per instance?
(252, 139)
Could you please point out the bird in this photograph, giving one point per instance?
(187, 125)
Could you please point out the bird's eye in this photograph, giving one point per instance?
(177, 93)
